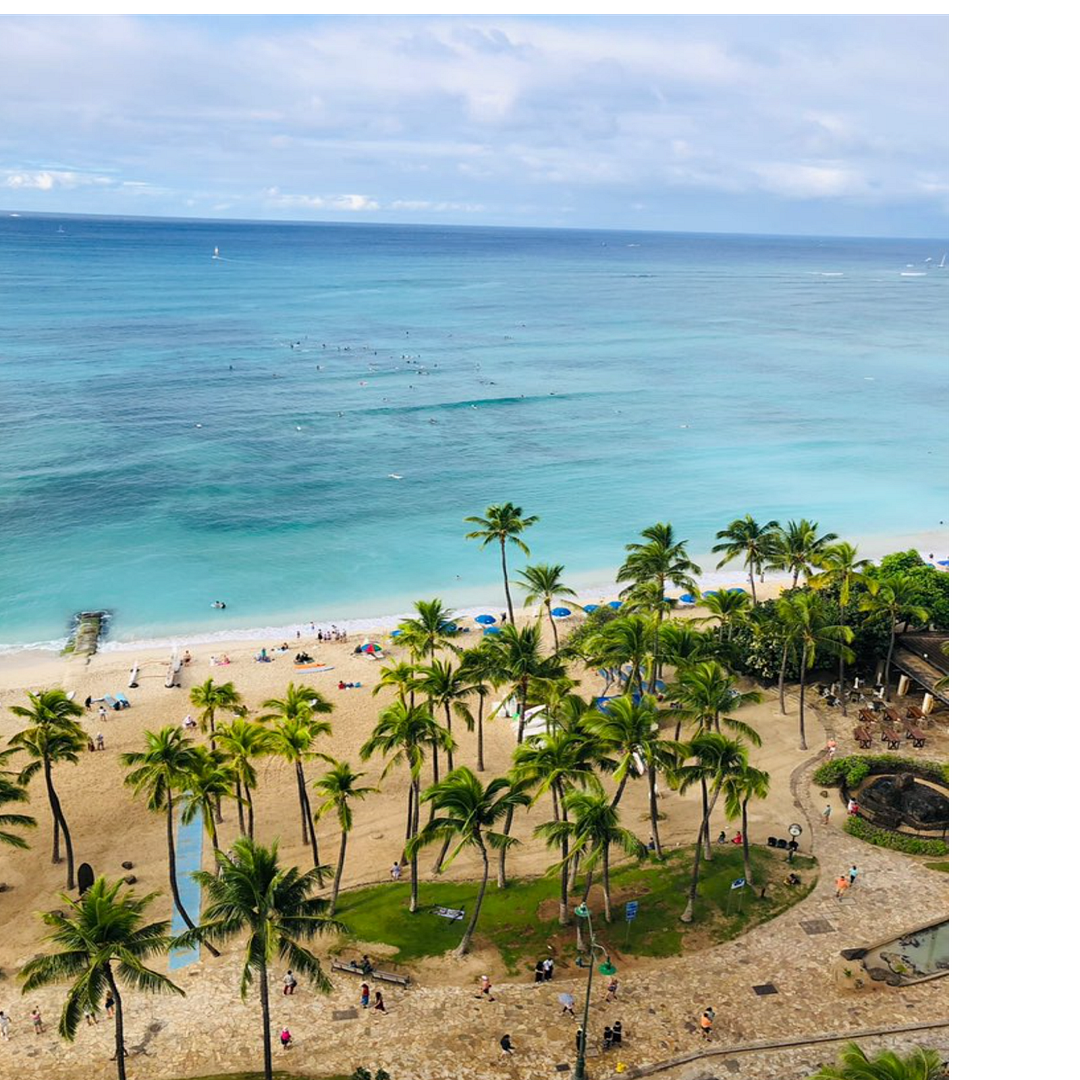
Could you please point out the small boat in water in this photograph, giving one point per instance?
(216, 255)
(910, 271)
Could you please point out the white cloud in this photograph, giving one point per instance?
(358, 203)
(795, 181)
(48, 179)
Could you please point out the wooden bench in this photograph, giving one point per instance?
(894, 716)
(890, 736)
(375, 973)
(916, 735)
(915, 713)
(863, 737)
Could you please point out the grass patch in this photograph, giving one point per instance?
(942, 866)
(521, 921)
(909, 845)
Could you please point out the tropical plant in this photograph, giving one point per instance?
(798, 549)
(727, 609)
(432, 628)
(157, 773)
(502, 523)
(707, 760)
(629, 639)
(272, 908)
(402, 735)
(739, 786)
(445, 687)
(745, 537)
(808, 621)
(892, 600)
(104, 941)
(208, 697)
(543, 583)
(206, 782)
(841, 568)
(339, 787)
(53, 737)
(469, 813)
(480, 670)
(293, 741)
(243, 742)
(13, 792)
(401, 676)
(592, 828)
(853, 1064)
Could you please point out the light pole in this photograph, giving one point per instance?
(608, 968)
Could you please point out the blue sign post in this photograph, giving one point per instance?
(740, 885)
(631, 915)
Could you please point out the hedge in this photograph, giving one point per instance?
(856, 767)
(909, 845)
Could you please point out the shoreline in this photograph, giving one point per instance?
(591, 586)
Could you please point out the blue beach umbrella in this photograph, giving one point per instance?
(686, 598)
(484, 620)
(671, 599)
(448, 627)
(590, 608)
(943, 562)
(395, 633)
(560, 612)
(737, 590)
(712, 592)
(615, 604)
(491, 630)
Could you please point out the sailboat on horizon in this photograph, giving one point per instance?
(941, 265)
(216, 255)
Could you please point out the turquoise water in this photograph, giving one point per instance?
(601, 380)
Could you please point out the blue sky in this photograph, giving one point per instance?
(782, 124)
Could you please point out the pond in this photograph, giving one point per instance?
(910, 958)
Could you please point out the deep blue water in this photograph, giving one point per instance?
(602, 380)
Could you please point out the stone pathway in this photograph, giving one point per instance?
(442, 1033)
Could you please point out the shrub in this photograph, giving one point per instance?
(856, 767)
(909, 845)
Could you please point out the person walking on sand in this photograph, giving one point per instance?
(842, 886)
(395, 872)
(506, 1044)
(485, 988)
(286, 1038)
(102, 714)
(826, 813)
(290, 983)
(101, 740)
(567, 1001)
(612, 989)
(5, 1026)
(852, 874)
(549, 969)
(39, 1027)
(365, 995)
(109, 1004)
(706, 1023)
(380, 1006)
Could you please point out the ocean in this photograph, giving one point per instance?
(299, 426)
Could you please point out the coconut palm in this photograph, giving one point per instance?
(469, 812)
(745, 537)
(739, 786)
(339, 787)
(808, 621)
(209, 779)
(841, 567)
(104, 941)
(271, 907)
(629, 639)
(543, 583)
(480, 670)
(629, 729)
(403, 735)
(243, 742)
(428, 631)
(401, 677)
(590, 832)
(798, 549)
(708, 758)
(726, 609)
(13, 792)
(445, 687)
(294, 742)
(503, 523)
(920, 1064)
(158, 773)
(53, 737)
(893, 599)
(208, 697)
(682, 645)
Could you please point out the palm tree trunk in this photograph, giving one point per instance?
(523, 697)
(52, 810)
(747, 872)
(61, 821)
(691, 896)
(240, 806)
(340, 869)
(564, 881)
(310, 818)
(783, 668)
(463, 948)
(619, 789)
(753, 591)
(300, 796)
(449, 731)
(480, 735)
(802, 700)
(502, 851)
(554, 628)
(251, 812)
(888, 659)
(843, 699)
(705, 809)
(605, 882)
(118, 1018)
(264, 1001)
(172, 866)
(654, 816)
(414, 885)
(506, 581)
(211, 828)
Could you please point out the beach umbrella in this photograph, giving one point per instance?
(395, 633)
(615, 604)
(371, 648)
(686, 598)
(491, 630)
(590, 608)
(484, 620)
(736, 589)
(712, 592)
(671, 599)
(448, 628)
(943, 562)
(560, 612)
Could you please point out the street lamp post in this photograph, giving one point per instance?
(608, 968)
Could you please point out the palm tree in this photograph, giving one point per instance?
(13, 792)
(628, 639)
(339, 787)
(727, 608)
(209, 779)
(502, 523)
(920, 1064)
(739, 787)
(841, 567)
(706, 695)
(682, 645)
(798, 549)
(294, 742)
(157, 772)
(631, 729)
(480, 669)
(54, 736)
(103, 942)
(544, 583)
(470, 813)
(591, 832)
(243, 742)
(428, 631)
(744, 536)
(273, 909)
(709, 758)
(401, 676)
(807, 619)
(209, 697)
(403, 734)
(445, 687)
(893, 599)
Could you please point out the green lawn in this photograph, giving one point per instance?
(521, 921)
(942, 866)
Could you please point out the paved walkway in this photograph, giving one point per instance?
(442, 1033)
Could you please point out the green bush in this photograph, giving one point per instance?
(856, 767)
(909, 845)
